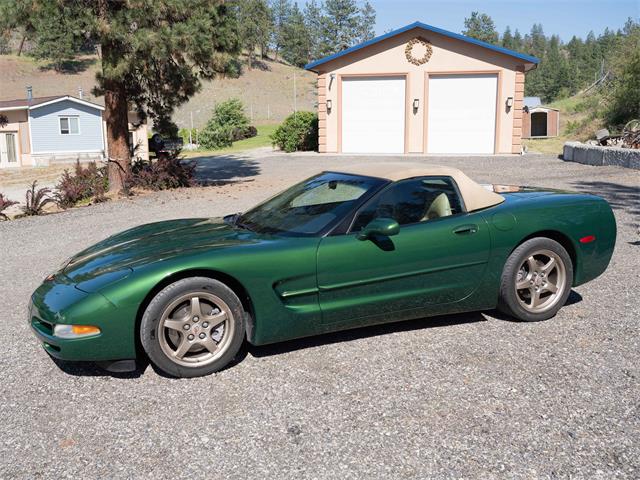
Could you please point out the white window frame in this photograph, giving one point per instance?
(68, 118)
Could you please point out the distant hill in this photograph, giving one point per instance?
(267, 92)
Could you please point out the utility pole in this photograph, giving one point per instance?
(295, 101)
(191, 129)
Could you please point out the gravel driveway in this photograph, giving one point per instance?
(464, 396)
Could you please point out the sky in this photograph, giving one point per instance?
(563, 17)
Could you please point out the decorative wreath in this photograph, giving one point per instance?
(408, 51)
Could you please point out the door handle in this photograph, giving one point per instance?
(465, 229)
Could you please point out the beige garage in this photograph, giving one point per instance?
(421, 89)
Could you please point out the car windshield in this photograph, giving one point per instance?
(310, 207)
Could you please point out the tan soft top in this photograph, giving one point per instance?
(475, 196)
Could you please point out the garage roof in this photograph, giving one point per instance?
(424, 26)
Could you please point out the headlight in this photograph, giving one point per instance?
(75, 331)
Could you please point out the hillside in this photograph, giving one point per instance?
(267, 91)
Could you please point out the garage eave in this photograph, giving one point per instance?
(529, 61)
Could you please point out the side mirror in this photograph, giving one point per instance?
(384, 227)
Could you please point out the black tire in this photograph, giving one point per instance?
(512, 300)
(155, 336)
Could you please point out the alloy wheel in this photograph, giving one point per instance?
(195, 329)
(540, 281)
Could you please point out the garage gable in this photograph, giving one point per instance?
(314, 66)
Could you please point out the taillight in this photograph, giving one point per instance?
(588, 239)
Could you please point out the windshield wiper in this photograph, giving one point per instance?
(236, 221)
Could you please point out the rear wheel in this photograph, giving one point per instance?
(536, 280)
(193, 327)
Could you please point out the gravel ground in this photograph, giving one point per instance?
(465, 396)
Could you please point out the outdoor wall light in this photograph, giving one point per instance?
(328, 105)
(509, 102)
(416, 103)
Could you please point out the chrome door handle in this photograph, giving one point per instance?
(465, 229)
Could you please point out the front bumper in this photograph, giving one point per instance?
(64, 349)
(64, 304)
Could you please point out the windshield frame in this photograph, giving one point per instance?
(338, 223)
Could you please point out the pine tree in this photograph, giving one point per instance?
(341, 25)
(366, 29)
(281, 10)
(555, 72)
(537, 42)
(152, 58)
(254, 26)
(296, 40)
(507, 39)
(480, 26)
(518, 42)
(314, 22)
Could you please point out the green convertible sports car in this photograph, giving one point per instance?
(343, 249)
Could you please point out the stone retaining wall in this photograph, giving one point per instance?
(596, 155)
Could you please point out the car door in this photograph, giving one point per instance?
(437, 257)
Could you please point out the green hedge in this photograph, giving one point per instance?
(299, 132)
(223, 129)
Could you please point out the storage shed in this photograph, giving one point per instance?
(421, 89)
(539, 121)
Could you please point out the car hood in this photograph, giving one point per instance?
(152, 243)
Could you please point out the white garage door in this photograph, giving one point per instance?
(373, 115)
(462, 114)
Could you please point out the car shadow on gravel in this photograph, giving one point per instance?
(573, 298)
(90, 369)
(224, 169)
(358, 333)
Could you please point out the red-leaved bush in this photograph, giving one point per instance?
(35, 200)
(162, 174)
(4, 204)
(85, 183)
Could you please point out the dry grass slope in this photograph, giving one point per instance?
(267, 92)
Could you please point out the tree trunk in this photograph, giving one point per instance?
(116, 113)
(21, 46)
(116, 118)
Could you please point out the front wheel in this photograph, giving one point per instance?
(536, 280)
(193, 327)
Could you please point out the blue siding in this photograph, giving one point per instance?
(45, 128)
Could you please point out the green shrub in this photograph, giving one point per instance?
(228, 117)
(184, 134)
(299, 131)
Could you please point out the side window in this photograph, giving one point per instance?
(69, 125)
(412, 201)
